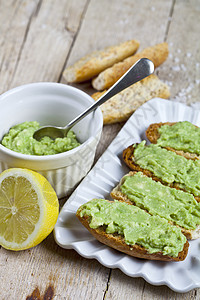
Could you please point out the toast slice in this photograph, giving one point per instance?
(118, 242)
(152, 132)
(157, 54)
(164, 202)
(92, 64)
(132, 163)
(153, 135)
(121, 106)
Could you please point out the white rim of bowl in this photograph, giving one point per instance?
(58, 155)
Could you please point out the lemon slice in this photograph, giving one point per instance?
(28, 208)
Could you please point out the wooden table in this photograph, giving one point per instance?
(38, 38)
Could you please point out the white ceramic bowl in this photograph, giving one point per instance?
(55, 104)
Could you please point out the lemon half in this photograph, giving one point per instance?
(29, 208)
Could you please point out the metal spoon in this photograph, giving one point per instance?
(141, 69)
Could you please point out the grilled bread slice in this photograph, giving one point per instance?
(117, 241)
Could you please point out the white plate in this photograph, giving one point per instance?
(70, 234)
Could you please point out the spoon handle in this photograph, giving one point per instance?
(141, 69)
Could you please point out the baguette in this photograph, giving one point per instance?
(152, 133)
(118, 194)
(157, 54)
(94, 63)
(129, 159)
(121, 106)
(117, 241)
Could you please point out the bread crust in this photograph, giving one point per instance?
(94, 63)
(128, 155)
(153, 135)
(158, 54)
(117, 242)
(121, 106)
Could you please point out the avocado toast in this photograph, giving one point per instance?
(164, 185)
(182, 137)
(177, 207)
(165, 166)
(133, 231)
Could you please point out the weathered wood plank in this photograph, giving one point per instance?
(138, 288)
(40, 42)
(35, 41)
(69, 275)
(15, 18)
(182, 70)
(110, 22)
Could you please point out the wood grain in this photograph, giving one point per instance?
(182, 72)
(38, 39)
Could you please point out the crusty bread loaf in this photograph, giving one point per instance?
(153, 135)
(121, 106)
(117, 194)
(128, 157)
(157, 54)
(94, 63)
(117, 242)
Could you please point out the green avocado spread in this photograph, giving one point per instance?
(180, 136)
(20, 139)
(174, 205)
(169, 166)
(135, 225)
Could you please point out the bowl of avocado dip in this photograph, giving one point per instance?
(63, 161)
(20, 139)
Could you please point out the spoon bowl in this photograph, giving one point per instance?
(141, 69)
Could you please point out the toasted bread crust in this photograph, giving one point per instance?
(158, 54)
(92, 64)
(117, 242)
(153, 135)
(152, 132)
(128, 155)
